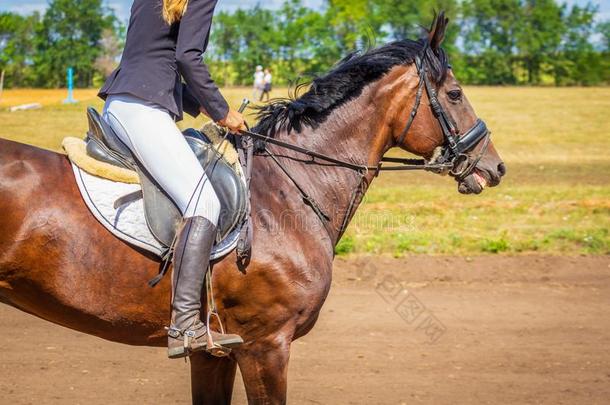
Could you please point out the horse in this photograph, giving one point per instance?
(58, 263)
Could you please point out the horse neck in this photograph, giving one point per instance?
(352, 133)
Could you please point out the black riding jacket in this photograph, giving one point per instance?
(158, 57)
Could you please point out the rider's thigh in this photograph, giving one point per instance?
(158, 144)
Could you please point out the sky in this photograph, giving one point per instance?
(122, 7)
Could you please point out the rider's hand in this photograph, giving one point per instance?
(234, 121)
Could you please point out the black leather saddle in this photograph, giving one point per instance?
(162, 215)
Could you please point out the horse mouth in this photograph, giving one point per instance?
(480, 179)
(474, 183)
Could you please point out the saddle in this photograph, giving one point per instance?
(162, 215)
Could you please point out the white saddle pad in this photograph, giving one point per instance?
(128, 222)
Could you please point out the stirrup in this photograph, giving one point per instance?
(212, 347)
(218, 350)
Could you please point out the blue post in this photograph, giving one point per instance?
(70, 99)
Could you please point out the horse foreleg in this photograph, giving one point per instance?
(212, 379)
(264, 368)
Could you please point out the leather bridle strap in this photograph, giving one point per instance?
(404, 163)
(447, 126)
(420, 90)
(312, 154)
(462, 174)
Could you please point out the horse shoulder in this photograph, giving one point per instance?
(276, 293)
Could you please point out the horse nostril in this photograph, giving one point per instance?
(501, 169)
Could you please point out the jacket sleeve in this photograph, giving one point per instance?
(192, 42)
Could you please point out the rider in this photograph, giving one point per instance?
(144, 97)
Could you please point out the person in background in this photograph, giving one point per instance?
(259, 83)
(267, 79)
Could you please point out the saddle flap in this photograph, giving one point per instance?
(228, 185)
(163, 216)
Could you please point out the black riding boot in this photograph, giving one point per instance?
(187, 332)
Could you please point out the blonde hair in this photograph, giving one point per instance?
(173, 10)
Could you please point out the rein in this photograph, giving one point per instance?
(405, 163)
(361, 170)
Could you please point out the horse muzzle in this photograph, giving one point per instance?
(481, 177)
(472, 184)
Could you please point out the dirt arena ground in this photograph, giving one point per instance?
(432, 330)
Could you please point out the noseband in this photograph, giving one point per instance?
(453, 156)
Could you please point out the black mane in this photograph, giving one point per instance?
(344, 82)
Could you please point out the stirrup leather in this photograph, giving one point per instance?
(213, 348)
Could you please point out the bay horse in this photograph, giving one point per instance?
(58, 263)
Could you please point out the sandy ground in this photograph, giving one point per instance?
(432, 330)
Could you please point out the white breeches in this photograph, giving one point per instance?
(153, 137)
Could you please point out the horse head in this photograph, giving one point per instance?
(433, 118)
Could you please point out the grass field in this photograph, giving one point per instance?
(554, 199)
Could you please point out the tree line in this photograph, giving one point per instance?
(508, 42)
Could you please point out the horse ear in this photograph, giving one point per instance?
(436, 34)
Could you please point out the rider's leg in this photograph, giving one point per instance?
(155, 140)
(153, 137)
(187, 332)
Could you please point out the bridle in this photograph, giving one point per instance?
(453, 157)
(455, 147)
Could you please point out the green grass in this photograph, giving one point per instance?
(555, 198)
(522, 215)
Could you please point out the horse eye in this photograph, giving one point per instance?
(454, 95)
